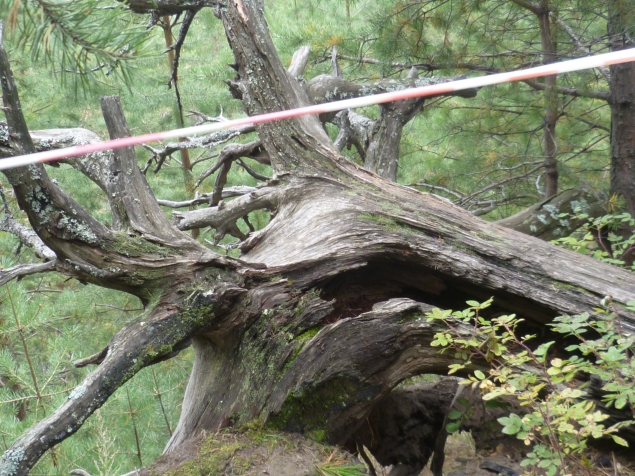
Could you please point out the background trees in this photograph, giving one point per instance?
(510, 147)
(493, 36)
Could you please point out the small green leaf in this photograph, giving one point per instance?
(619, 440)
(453, 427)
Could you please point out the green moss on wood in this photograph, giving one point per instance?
(390, 224)
(135, 246)
(215, 455)
(308, 411)
(570, 287)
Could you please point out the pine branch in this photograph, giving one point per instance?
(81, 36)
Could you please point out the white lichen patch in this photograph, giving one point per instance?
(40, 204)
(76, 229)
(580, 206)
(77, 392)
(4, 132)
(11, 461)
(553, 211)
(34, 170)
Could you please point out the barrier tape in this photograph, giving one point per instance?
(607, 59)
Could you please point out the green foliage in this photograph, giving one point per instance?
(604, 238)
(558, 422)
(83, 38)
(45, 325)
(331, 469)
(457, 416)
(465, 145)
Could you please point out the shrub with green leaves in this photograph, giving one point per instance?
(560, 420)
(602, 238)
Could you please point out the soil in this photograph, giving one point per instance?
(265, 453)
(255, 452)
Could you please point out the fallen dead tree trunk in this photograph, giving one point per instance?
(556, 217)
(322, 315)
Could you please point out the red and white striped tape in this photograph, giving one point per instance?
(589, 62)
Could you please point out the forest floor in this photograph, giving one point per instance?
(255, 452)
(463, 459)
(264, 452)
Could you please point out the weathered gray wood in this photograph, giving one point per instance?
(138, 210)
(306, 380)
(379, 143)
(95, 166)
(19, 271)
(325, 88)
(326, 300)
(53, 215)
(228, 192)
(299, 61)
(543, 219)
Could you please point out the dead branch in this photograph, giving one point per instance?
(492, 205)
(439, 188)
(206, 198)
(463, 201)
(299, 61)
(36, 192)
(224, 216)
(140, 211)
(203, 118)
(176, 47)
(161, 330)
(25, 234)
(234, 152)
(578, 43)
(488, 69)
(210, 142)
(252, 172)
(20, 271)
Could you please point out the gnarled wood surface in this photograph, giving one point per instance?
(322, 315)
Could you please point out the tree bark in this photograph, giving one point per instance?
(551, 102)
(622, 87)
